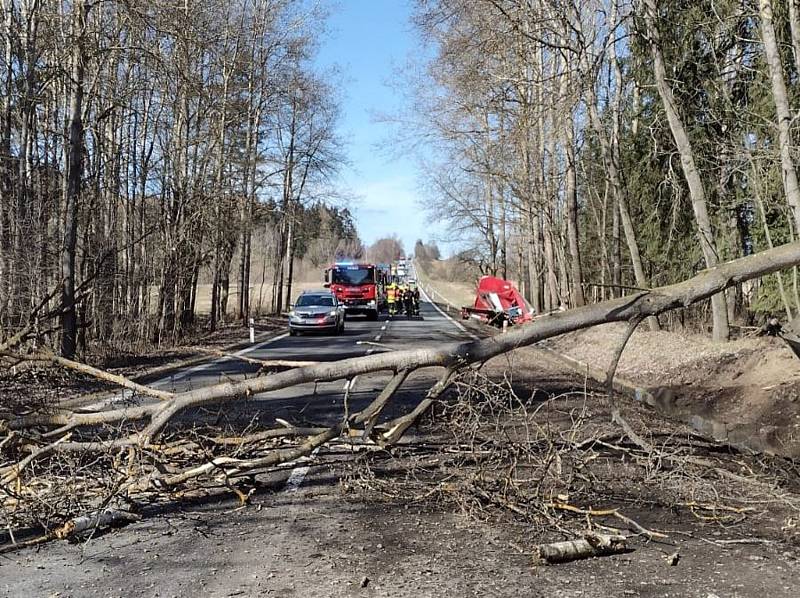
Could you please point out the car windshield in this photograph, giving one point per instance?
(353, 275)
(320, 300)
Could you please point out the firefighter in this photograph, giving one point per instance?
(415, 293)
(401, 297)
(408, 299)
(391, 298)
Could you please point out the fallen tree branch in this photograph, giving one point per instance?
(591, 545)
(371, 414)
(617, 418)
(232, 466)
(101, 375)
(263, 363)
(398, 427)
(653, 302)
(605, 513)
(612, 369)
(13, 472)
(77, 526)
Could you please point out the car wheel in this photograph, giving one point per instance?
(292, 332)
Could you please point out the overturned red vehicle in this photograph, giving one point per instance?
(496, 301)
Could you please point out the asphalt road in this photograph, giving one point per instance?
(321, 404)
(214, 548)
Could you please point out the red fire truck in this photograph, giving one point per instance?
(358, 286)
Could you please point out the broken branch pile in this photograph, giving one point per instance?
(147, 442)
(576, 476)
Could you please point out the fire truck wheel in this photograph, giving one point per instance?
(372, 315)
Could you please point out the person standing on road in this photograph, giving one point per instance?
(408, 299)
(391, 298)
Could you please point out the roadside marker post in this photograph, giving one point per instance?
(252, 331)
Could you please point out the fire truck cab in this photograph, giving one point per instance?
(356, 286)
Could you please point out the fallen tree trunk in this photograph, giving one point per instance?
(135, 437)
(79, 525)
(590, 545)
(452, 355)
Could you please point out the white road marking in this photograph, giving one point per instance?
(205, 366)
(378, 338)
(384, 327)
(458, 325)
(298, 474)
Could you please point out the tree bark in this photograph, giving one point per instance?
(571, 196)
(69, 317)
(794, 26)
(6, 170)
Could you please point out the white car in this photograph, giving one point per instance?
(316, 311)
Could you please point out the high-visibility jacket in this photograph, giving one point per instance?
(391, 294)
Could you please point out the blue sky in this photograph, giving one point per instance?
(367, 41)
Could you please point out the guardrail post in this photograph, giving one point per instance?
(252, 324)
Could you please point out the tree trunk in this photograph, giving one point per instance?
(6, 169)
(571, 197)
(781, 98)
(721, 331)
(69, 319)
(534, 259)
(290, 247)
(794, 26)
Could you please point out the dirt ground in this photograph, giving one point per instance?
(448, 514)
(317, 543)
(398, 523)
(752, 384)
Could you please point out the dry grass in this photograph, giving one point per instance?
(457, 294)
(260, 297)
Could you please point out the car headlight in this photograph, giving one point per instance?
(292, 314)
(333, 312)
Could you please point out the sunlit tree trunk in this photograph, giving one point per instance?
(721, 330)
(784, 114)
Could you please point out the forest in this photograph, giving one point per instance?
(174, 422)
(151, 151)
(591, 148)
(148, 147)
